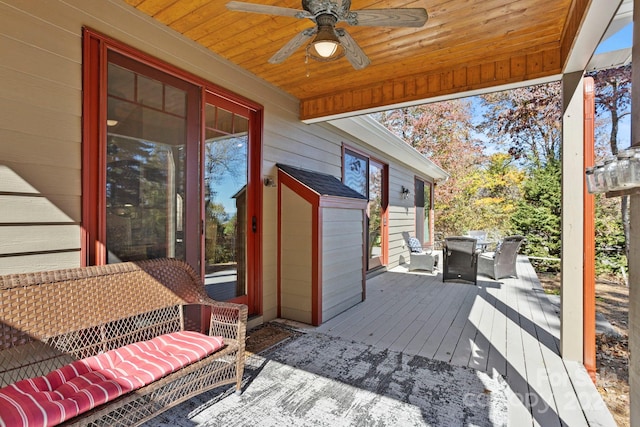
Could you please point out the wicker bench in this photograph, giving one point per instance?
(51, 319)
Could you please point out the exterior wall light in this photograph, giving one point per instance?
(405, 192)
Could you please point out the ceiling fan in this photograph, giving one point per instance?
(331, 43)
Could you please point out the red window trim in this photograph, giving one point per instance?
(385, 195)
(95, 48)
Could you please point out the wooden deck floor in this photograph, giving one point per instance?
(505, 327)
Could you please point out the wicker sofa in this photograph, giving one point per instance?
(49, 320)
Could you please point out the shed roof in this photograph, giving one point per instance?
(321, 183)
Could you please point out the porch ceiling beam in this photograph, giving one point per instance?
(538, 64)
(585, 27)
(584, 31)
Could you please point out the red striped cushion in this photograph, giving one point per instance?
(87, 383)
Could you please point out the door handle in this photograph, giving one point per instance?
(254, 224)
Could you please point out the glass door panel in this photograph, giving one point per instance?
(145, 167)
(423, 212)
(225, 204)
(376, 217)
(367, 177)
(426, 226)
(355, 172)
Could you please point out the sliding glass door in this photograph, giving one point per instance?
(225, 203)
(377, 221)
(424, 212)
(369, 178)
(171, 168)
(146, 157)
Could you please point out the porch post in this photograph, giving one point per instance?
(634, 236)
(571, 296)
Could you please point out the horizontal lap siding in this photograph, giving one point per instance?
(401, 213)
(342, 263)
(40, 130)
(40, 141)
(295, 257)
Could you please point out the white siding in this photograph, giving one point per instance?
(40, 130)
(342, 263)
(296, 260)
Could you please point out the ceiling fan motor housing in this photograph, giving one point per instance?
(317, 7)
(326, 20)
(330, 42)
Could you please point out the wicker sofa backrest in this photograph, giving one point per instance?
(48, 319)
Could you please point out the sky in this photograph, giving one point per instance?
(619, 40)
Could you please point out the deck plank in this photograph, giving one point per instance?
(507, 327)
(388, 311)
(432, 320)
(410, 323)
(520, 406)
(465, 347)
(445, 323)
(452, 336)
(567, 404)
(497, 354)
(401, 315)
(480, 356)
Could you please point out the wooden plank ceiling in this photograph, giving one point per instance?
(465, 45)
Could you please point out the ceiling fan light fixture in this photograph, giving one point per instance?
(326, 49)
(326, 46)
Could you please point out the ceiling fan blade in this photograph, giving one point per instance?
(408, 17)
(293, 44)
(353, 52)
(345, 5)
(240, 6)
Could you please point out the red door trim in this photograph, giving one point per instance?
(95, 48)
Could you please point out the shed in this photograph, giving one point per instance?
(321, 245)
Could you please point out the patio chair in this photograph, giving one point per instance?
(478, 234)
(460, 259)
(419, 259)
(502, 262)
(481, 237)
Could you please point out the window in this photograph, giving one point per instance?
(424, 210)
(171, 168)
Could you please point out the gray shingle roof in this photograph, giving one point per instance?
(321, 183)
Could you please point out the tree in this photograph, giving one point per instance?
(496, 189)
(443, 133)
(527, 120)
(613, 102)
(538, 214)
(613, 98)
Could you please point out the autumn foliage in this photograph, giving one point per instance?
(502, 151)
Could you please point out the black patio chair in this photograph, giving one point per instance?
(502, 262)
(460, 259)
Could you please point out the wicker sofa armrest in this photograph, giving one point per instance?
(227, 319)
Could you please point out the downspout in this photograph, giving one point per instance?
(589, 270)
